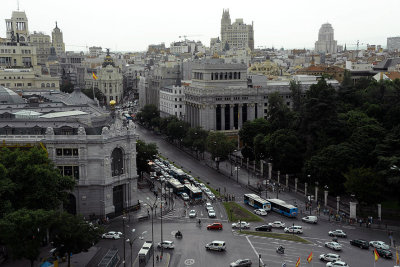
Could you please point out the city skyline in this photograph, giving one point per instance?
(125, 26)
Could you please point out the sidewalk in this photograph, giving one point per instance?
(163, 263)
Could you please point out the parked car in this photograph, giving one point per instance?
(211, 196)
(242, 225)
(296, 229)
(216, 245)
(337, 264)
(208, 206)
(265, 227)
(111, 235)
(329, 257)
(379, 244)
(359, 243)
(261, 212)
(214, 226)
(241, 263)
(277, 224)
(211, 213)
(333, 245)
(310, 219)
(192, 214)
(185, 196)
(384, 253)
(338, 233)
(166, 244)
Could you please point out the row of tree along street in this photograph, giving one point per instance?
(31, 193)
(347, 139)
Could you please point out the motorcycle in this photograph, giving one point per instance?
(280, 250)
(178, 235)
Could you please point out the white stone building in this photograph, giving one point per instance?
(326, 42)
(237, 34)
(393, 44)
(172, 101)
(42, 43)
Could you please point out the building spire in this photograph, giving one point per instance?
(56, 25)
(17, 5)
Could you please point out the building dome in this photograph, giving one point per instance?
(108, 60)
(8, 96)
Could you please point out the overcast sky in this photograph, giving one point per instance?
(130, 25)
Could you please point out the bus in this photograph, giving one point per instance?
(283, 208)
(257, 202)
(176, 186)
(193, 192)
(180, 175)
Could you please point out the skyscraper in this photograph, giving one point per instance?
(326, 42)
(57, 40)
(237, 34)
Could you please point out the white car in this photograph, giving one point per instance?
(242, 225)
(166, 244)
(310, 219)
(208, 206)
(277, 224)
(329, 257)
(379, 244)
(207, 191)
(185, 196)
(202, 186)
(338, 233)
(333, 245)
(296, 229)
(111, 235)
(211, 213)
(261, 212)
(211, 196)
(337, 264)
(192, 214)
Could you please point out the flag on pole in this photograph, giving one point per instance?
(94, 76)
(397, 257)
(298, 262)
(309, 258)
(376, 254)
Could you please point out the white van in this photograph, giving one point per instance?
(216, 245)
(310, 219)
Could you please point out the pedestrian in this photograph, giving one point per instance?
(157, 258)
(161, 257)
(360, 221)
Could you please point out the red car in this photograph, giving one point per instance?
(214, 226)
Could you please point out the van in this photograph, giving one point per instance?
(216, 245)
(310, 219)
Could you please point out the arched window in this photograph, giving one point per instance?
(221, 76)
(212, 76)
(117, 162)
(47, 85)
(53, 85)
(42, 85)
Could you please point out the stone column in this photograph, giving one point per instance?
(326, 198)
(337, 204)
(316, 193)
(250, 111)
(305, 189)
(353, 210)
(262, 168)
(287, 180)
(240, 124)
(231, 121)
(223, 117)
(279, 176)
(269, 170)
(296, 180)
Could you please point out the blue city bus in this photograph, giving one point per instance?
(176, 186)
(283, 208)
(257, 202)
(127, 116)
(193, 192)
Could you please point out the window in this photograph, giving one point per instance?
(75, 152)
(67, 170)
(117, 164)
(67, 152)
(59, 152)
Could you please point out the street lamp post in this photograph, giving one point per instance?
(152, 207)
(123, 239)
(237, 174)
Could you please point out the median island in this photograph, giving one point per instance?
(288, 237)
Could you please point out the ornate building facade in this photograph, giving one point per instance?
(236, 35)
(326, 42)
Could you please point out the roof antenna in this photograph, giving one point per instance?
(17, 5)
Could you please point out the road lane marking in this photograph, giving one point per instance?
(255, 251)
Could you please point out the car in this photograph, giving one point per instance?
(192, 214)
(242, 225)
(211, 196)
(337, 233)
(211, 213)
(241, 263)
(185, 196)
(359, 243)
(333, 245)
(202, 186)
(261, 212)
(277, 224)
(207, 191)
(216, 245)
(208, 206)
(337, 264)
(310, 219)
(379, 244)
(296, 229)
(384, 253)
(166, 244)
(111, 235)
(329, 257)
(265, 227)
(214, 226)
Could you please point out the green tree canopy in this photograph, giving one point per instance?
(220, 146)
(147, 114)
(145, 153)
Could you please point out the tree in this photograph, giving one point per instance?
(99, 94)
(146, 114)
(252, 128)
(279, 115)
(71, 234)
(32, 181)
(296, 94)
(23, 232)
(365, 184)
(176, 130)
(145, 153)
(196, 139)
(220, 146)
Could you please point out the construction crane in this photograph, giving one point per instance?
(358, 45)
(184, 36)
